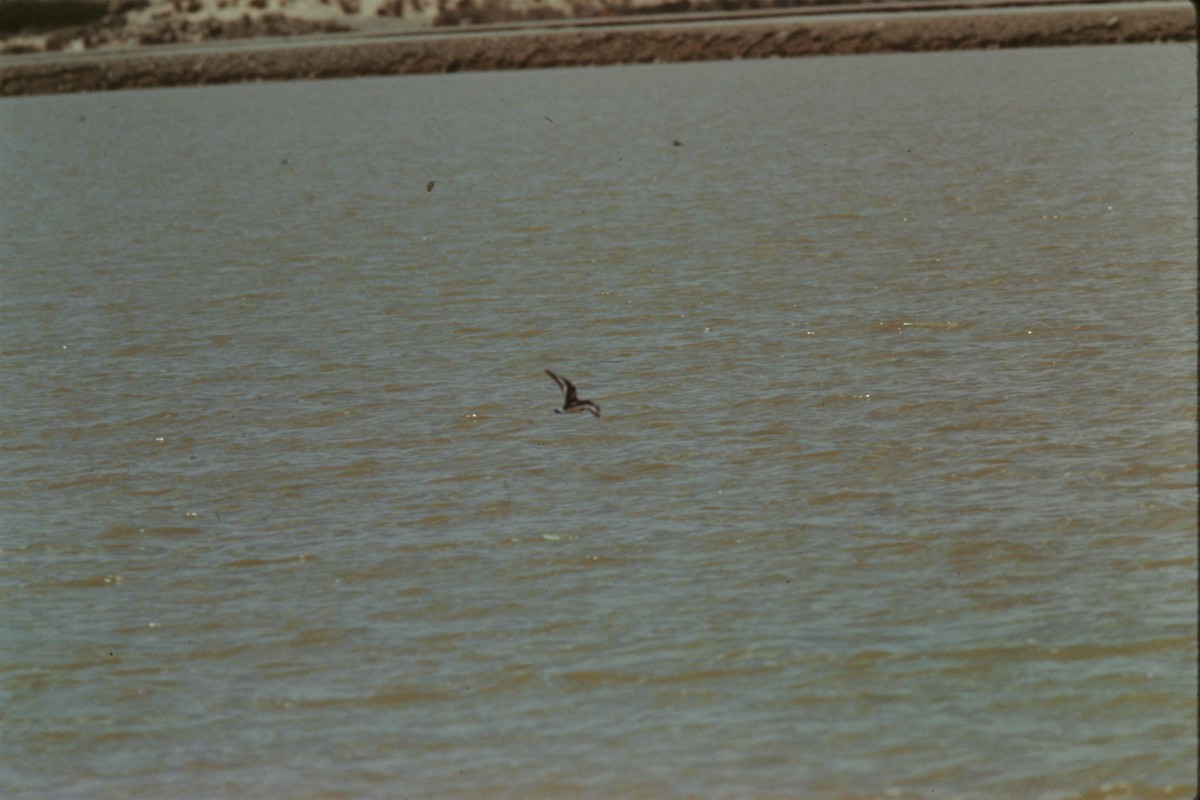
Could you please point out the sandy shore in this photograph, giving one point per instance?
(619, 41)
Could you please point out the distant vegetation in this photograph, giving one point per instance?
(41, 16)
(482, 12)
(20, 16)
(28, 26)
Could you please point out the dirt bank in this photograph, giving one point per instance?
(689, 39)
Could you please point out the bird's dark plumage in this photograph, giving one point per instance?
(571, 402)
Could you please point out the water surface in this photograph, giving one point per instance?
(893, 494)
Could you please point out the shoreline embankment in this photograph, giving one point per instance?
(615, 41)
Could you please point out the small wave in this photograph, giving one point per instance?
(845, 496)
(923, 325)
(119, 531)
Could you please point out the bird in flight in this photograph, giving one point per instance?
(571, 402)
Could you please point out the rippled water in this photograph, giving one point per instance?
(893, 494)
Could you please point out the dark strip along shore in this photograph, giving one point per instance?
(616, 41)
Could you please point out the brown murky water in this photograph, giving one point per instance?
(893, 494)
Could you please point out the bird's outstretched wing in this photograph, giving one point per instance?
(568, 388)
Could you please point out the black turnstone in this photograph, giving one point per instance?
(571, 403)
